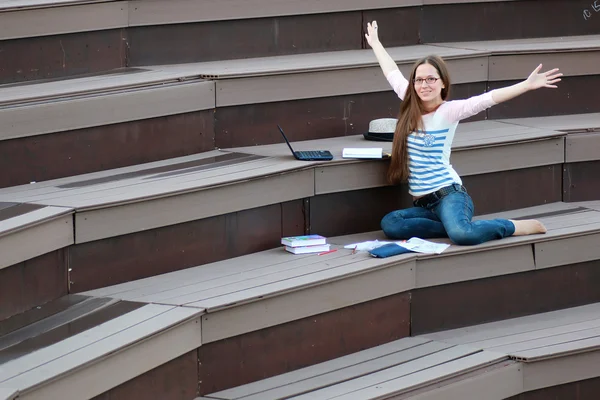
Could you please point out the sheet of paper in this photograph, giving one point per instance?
(423, 246)
(366, 246)
(414, 244)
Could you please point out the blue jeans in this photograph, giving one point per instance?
(450, 217)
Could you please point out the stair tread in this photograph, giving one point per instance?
(365, 374)
(289, 64)
(143, 182)
(273, 272)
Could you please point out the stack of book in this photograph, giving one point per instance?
(305, 244)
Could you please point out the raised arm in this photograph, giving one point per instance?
(535, 81)
(460, 109)
(387, 63)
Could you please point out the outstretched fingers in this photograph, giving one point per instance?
(546, 79)
(371, 32)
(537, 70)
(551, 71)
(552, 77)
(553, 74)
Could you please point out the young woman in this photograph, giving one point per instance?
(421, 151)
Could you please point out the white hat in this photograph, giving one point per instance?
(381, 129)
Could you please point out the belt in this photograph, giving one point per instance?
(438, 195)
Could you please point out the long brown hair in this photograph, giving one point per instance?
(410, 118)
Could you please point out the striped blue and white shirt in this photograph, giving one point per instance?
(429, 150)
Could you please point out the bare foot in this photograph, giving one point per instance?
(528, 227)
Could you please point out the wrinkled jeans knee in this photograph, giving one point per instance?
(391, 224)
(464, 236)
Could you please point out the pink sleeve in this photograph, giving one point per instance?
(398, 82)
(457, 110)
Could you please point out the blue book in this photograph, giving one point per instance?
(300, 241)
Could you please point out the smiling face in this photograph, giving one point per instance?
(429, 93)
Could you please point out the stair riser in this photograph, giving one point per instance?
(317, 118)
(138, 255)
(76, 53)
(475, 302)
(60, 56)
(588, 389)
(107, 262)
(254, 124)
(32, 283)
(574, 95)
(175, 380)
(579, 181)
(125, 258)
(56, 155)
(282, 348)
(272, 351)
(505, 20)
(225, 40)
(494, 192)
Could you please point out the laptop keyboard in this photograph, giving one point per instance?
(311, 153)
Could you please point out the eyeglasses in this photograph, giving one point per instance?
(430, 80)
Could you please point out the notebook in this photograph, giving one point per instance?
(371, 152)
(308, 155)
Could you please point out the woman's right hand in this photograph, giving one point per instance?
(371, 35)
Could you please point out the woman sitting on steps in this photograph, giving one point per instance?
(421, 152)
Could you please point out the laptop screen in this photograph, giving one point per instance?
(286, 140)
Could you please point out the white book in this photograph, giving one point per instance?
(368, 152)
(308, 249)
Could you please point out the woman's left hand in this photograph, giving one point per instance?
(545, 79)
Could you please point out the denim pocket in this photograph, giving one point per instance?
(469, 207)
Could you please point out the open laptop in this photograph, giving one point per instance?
(308, 155)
